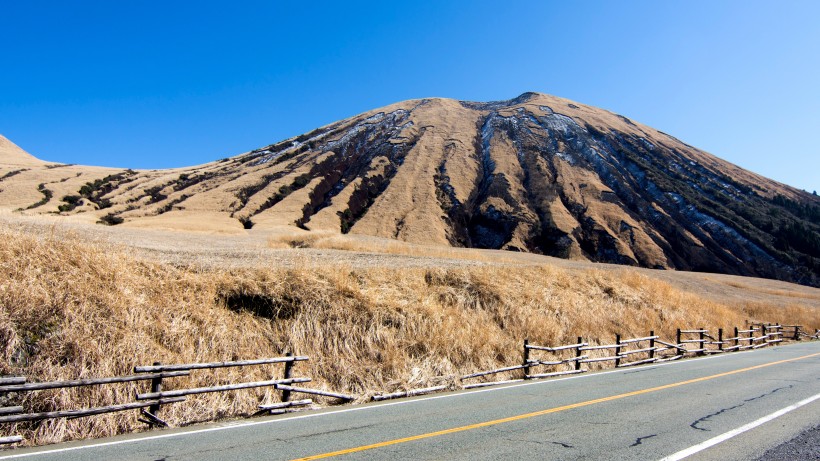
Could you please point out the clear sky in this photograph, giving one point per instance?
(164, 84)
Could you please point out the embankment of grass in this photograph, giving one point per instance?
(70, 310)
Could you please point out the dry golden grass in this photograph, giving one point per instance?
(785, 293)
(335, 241)
(72, 309)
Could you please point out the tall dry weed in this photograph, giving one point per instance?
(72, 310)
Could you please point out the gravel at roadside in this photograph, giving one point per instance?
(804, 447)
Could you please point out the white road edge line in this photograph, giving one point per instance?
(728, 435)
(242, 424)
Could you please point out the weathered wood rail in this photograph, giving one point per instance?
(631, 352)
(539, 361)
(302, 390)
(149, 403)
(279, 408)
(558, 357)
(638, 351)
(408, 393)
(284, 384)
(85, 411)
(17, 384)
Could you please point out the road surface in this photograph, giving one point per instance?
(727, 407)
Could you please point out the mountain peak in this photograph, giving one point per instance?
(527, 95)
(495, 105)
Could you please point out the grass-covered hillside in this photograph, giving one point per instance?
(71, 308)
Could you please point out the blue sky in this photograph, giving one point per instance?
(165, 84)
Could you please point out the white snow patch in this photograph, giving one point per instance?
(648, 145)
(566, 157)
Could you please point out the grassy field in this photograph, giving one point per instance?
(76, 303)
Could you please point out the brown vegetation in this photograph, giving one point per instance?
(71, 309)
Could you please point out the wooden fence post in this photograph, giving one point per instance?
(526, 359)
(617, 350)
(156, 386)
(578, 354)
(702, 343)
(763, 332)
(679, 344)
(720, 339)
(796, 333)
(652, 344)
(288, 375)
(737, 341)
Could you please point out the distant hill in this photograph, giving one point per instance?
(11, 154)
(536, 173)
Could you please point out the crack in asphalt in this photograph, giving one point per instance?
(694, 424)
(334, 431)
(539, 442)
(639, 440)
(257, 443)
(637, 371)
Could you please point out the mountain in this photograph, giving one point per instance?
(536, 173)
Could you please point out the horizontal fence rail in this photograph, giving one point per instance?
(557, 348)
(599, 347)
(149, 403)
(87, 382)
(539, 361)
(601, 359)
(201, 366)
(571, 355)
(11, 410)
(223, 388)
(492, 372)
(84, 412)
(302, 390)
(283, 384)
(410, 393)
(281, 407)
(557, 362)
(642, 350)
(635, 340)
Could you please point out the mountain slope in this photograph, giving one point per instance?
(536, 173)
(11, 154)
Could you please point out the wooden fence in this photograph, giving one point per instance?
(149, 403)
(572, 358)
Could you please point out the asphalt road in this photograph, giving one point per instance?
(727, 407)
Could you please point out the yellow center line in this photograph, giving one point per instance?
(542, 412)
